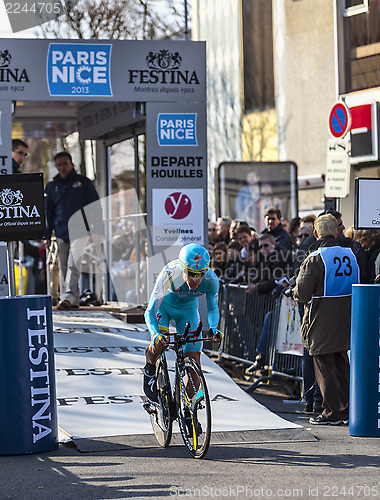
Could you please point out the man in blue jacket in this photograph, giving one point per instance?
(66, 194)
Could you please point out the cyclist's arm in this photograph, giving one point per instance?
(212, 299)
(153, 306)
(161, 287)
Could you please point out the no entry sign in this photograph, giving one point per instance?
(339, 120)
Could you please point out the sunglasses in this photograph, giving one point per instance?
(304, 235)
(264, 245)
(195, 274)
(21, 153)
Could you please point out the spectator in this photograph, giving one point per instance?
(313, 398)
(235, 272)
(370, 242)
(222, 229)
(343, 240)
(285, 224)
(66, 194)
(19, 153)
(307, 242)
(120, 246)
(294, 226)
(274, 227)
(248, 243)
(308, 220)
(31, 250)
(327, 319)
(212, 235)
(293, 231)
(350, 232)
(273, 262)
(312, 394)
(303, 233)
(219, 260)
(235, 224)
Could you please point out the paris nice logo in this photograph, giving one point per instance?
(178, 205)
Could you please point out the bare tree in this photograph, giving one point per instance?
(117, 19)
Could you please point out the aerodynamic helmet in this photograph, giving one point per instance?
(194, 259)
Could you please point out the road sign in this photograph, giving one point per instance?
(339, 120)
(337, 180)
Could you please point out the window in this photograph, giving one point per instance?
(361, 45)
(258, 55)
(353, 7)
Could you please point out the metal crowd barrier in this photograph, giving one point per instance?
(242, 318)
(281, 365)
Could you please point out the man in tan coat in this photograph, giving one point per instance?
(324, 283)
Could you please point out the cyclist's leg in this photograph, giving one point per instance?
(192, 349)
(152, 353)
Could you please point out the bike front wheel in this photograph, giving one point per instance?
(161, 417)
(193, 408)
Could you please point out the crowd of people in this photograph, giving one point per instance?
(240, 254)
(325, 260)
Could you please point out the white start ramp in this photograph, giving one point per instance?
(99, 362)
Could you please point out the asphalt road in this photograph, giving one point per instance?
(335, 465)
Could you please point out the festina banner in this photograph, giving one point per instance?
(99, 365)
(22, 208)
(113, 70)
(27, 379)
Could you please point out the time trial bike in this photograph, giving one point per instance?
(189, 402)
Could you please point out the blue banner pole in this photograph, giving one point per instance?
(27, 377)
(365, 362)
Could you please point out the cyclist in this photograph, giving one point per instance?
(175, 297)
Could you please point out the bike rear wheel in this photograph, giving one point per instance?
(193, 408)
(161, 417)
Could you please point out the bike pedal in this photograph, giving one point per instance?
(149, 408)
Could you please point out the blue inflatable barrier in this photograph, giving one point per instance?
(28, 410)
(365, 362)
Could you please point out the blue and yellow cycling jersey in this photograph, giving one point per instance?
(173, 299)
